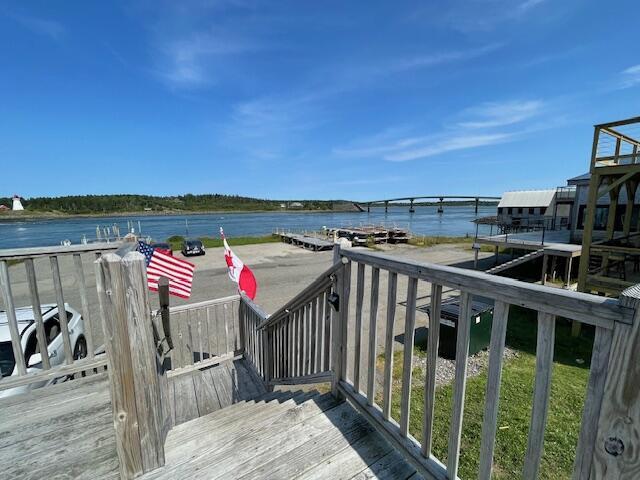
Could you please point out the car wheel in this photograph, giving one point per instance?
(80, 351)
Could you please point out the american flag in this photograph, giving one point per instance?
(159, 264)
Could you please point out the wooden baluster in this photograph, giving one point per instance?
(307, 339)
(319, 304)
(460, 382)
(388, 346)
(7, 297)
(313, 339)
(358, 327)
(409, 332)
(344, 320)
(492, 395)
(225, 313)
(373, 339)
(593, 403)
(84, 300)
(37, 313)
(432, 362)
(541, 393)
(62, 312)
(326, 341)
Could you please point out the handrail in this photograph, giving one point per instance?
(319, 284)
(32, 252)
(253, 306)
(584, 307)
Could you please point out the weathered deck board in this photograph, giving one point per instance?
(60, 431)
(304, 436)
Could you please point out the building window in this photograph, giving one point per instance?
(531, 210)
(520, 211)
(499, 210)
(543, 210)
(509, 210)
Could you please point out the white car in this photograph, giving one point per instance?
(29, 343)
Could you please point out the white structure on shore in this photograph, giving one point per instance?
(17, 204)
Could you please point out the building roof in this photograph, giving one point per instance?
(527, 198)
(580, 178)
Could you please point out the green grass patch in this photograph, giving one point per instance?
(430, 241)
(208, 242)
(569, 380)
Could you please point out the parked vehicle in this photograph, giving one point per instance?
(29, 343)
(192, 247)
(163, 247)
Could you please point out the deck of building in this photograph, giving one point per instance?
(554, 242)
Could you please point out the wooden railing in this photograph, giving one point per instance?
(204, 333)
(65, 263)
(605, 431)
(252, 338)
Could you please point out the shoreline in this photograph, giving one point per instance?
(65, 216)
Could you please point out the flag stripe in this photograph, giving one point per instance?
(179, 272)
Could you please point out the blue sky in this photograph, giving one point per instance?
(297, 99)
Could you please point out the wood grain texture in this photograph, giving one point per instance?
(62, 313)
(111, 294)
(84, 300)
(589, 309)
(492, 395)
(432, 359)
(7, 297)
(37, 313)
(373, 339)
(407, 365)
(593, 403)
(459, 384)
(619, 420)
(392, 286)
(357, 349)
(541, 393)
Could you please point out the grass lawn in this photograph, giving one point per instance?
(208, 242)
(425, 241)
(569, 380)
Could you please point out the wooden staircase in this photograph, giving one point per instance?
(516, 261)
(281, 435)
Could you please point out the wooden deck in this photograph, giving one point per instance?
(61, 431)
(281, 435)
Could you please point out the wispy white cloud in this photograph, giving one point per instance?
(491, 114)
(194, 60)
(41, 26)
(630, 77)
(489, 124)
(438, 58)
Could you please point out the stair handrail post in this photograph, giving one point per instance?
(616, 443)
(133, 363)
(335, 327)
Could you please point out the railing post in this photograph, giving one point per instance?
(336, 336)
(133, 366)
(617, 443)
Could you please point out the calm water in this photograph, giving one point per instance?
(425, 221)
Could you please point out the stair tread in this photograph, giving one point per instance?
(309, 435)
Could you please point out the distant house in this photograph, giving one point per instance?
(296, 205)
(525, 207)
(4, 208)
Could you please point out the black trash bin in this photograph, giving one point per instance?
(481, 321)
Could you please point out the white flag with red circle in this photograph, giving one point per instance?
(238, 271)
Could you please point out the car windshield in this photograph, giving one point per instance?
(162, 246)
(7, 361)
(194, 243)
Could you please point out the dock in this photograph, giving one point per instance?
(306, 241)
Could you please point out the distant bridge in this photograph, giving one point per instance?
(411, 201)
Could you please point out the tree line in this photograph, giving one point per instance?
(137, 203)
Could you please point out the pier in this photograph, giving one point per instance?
(305, 241)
